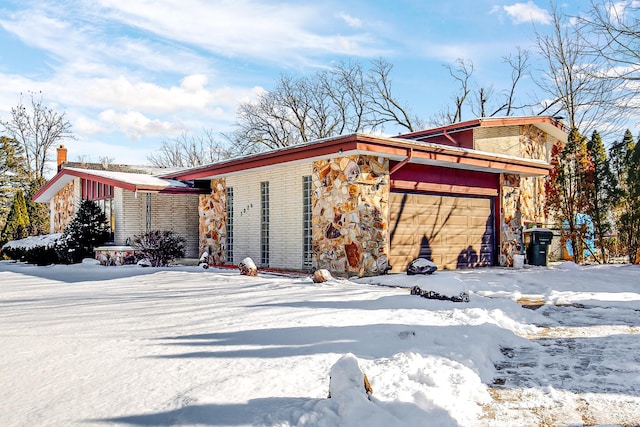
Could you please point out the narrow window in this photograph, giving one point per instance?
(307, 249)
(148, 212)
(264, 224)
(229, 225)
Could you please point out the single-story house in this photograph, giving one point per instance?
(363, 204)
(134, 198)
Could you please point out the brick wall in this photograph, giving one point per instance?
(285, 199)
(173, 212)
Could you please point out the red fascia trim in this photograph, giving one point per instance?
(102, 180)
(428, 187)
(364, 143)
(300, 152)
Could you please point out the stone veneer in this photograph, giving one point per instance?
(212, 210)
(350, 215)
(115, 255)
(523, 198)
(63, 207)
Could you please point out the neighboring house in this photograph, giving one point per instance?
(133, 198)
(362, 204)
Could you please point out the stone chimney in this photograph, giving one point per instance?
(62, 156)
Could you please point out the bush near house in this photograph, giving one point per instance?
(40, 250)
(159, 247)
(88, 228)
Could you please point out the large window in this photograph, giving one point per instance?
(264, 224)
(229, 242)
(307, 249)
(102, 194)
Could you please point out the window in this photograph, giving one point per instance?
(102, 194)
(307, 248)
(264, 224)
(229, 247)
(149, 212)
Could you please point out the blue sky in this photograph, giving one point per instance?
(131, 73)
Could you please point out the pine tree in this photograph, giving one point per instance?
(17, 225)
(88, 228)
(38, 212)
(631, 221)
(12, 174)
(602, 191)
(568, 188)
(624, 155)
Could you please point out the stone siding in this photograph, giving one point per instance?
(63, 207)
(212, 211)
(350, 215)
(523, 198)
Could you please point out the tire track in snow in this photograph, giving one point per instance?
(570, 358)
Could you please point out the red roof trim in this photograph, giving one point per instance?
(485, 122)
(390, 147)
(116, 183)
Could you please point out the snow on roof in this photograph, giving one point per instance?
(140, 179)
(131, 181)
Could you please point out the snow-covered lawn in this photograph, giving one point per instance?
(93, 346)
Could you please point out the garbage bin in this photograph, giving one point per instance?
(537, 241)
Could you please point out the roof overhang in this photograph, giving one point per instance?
(395, 149)
(134, 182)
(550, 125)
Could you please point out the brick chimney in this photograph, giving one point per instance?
(62, 156)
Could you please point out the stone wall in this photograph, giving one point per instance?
(511, 219)
(523, 198)
(350, 215)
(63, 207)
(212, 210)
(533, 143)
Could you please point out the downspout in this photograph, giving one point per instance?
(403, 162)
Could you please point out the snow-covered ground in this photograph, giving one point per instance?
(94, 346)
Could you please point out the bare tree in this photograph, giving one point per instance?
(483, 100)
(385, 107)
(189, 150)
(613, 31)
(36, 128)
(343, 99)
(571, 79)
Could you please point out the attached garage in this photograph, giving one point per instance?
(453, 231)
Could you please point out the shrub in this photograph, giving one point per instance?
(159, 247)
(88, 228)
(40, 250)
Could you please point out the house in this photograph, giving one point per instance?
(134, 198)
(362, 204)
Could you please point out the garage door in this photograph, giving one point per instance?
(454, 232)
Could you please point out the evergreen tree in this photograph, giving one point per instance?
(568, 188)
(17, 225)
(624, 155)
(38, 212)
(602, 191)
(12, 174)
(631, 218)
(88, 228)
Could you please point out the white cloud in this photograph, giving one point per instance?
(264, 30)
(136, 125)
(527, 12)
(350, 20)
